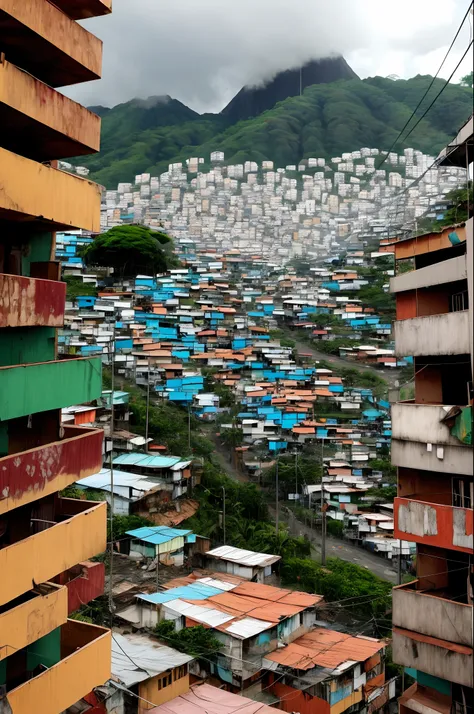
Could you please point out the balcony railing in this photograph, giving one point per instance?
(434, 524)
(31, 302)
(421, 336)
(31, 617)
(30, 475)
(42, 386)
(84, 665)
(77, 534)
(432, 614)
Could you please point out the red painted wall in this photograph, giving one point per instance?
(86, 587)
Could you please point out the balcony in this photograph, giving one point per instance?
(421, 440)
(85, 664)
(434, 524)
(35, 615)
(31, 302)
(446, 271)
(440, 658)
(31, 388)
(445, 334)
(77, 533)
(30, 475)
(432, 613)
(44, 198)
(41, 39)
(80, 9)
(39, 122)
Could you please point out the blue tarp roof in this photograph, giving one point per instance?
(194, 591)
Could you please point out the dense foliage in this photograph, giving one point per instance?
(75, 286)
(197, 641)
(325, 121)
(363, 593)
(129, 250)
(247, 518)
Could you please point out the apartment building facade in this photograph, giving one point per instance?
(432, 448)
(47, 661)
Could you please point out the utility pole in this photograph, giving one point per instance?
(277, 524)
(296, 474)
(147, 416)
(323, 511)
(399, 573)
(223, 513)
(189, 429)
(111, 467)
(158, 569)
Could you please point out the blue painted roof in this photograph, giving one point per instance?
(157, 534)
(194, 591)
(145, 460)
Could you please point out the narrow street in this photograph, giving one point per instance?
(335, 547)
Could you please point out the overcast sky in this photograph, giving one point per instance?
(203, 51)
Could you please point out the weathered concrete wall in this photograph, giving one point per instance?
(446, 334)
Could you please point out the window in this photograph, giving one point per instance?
(463, 492)
(180, 672)
(459, 301)
(164, 681)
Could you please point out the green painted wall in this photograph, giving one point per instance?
(3, 671)
(46, 651)
(51, 385)
(427, 680)
(38, 250)
(23, 345)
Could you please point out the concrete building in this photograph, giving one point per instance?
(47, 661)
(432, 448)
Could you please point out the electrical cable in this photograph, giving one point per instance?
(428, 88)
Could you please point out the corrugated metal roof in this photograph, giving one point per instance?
(136, 658)
(325, 648)
(122, 479)
(194, 591)
(206, 615)
(146, 461)
(248, 627)
(157, 534)
(243, 557)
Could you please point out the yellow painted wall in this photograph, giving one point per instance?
(26, 623)
(22, 92)
(347, 702)
(68, 681)
(149, 691)
(50, 552)
(29, 188)
(54, 26)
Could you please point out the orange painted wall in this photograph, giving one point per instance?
(293, 700)
(444, 521)
(406, 305)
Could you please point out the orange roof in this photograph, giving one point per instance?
(325, 648)
(303, 430)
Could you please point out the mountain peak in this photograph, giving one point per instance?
(251, 101)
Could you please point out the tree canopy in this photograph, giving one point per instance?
(130, 250)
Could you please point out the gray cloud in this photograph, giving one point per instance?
(202, 52)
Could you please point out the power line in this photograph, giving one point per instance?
(428, 88)
(441, 90)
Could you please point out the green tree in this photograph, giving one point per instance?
(467, 80)
(196, 641)
(130, 250)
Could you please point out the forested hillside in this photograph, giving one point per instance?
(328, 119)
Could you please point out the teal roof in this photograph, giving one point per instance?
(157, 534)
(146, 460)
